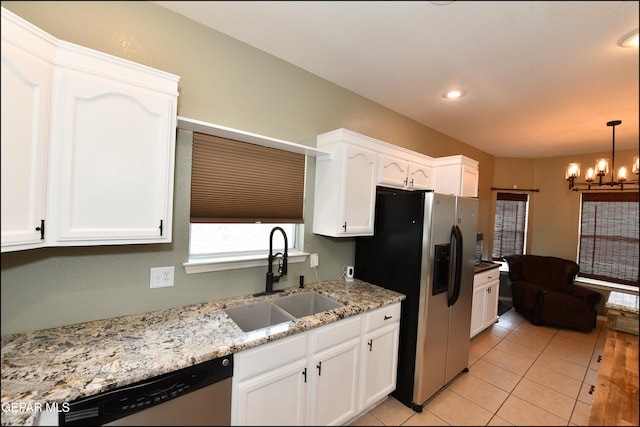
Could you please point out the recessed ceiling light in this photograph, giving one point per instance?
(454, 94)
(630, 40)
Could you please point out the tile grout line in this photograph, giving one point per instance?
(495, 414)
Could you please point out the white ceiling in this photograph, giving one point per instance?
(543, 77)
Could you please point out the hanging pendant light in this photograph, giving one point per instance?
(595, 176)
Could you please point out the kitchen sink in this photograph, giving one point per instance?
(250, 317)
(306, 304)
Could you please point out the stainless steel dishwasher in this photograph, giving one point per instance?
(197, 395)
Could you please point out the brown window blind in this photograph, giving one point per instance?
(233, 181)
(510, 224)
(609, 237)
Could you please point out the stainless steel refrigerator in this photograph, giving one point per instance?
(424, 247)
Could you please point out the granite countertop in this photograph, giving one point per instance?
(59, 365)
(485, 265)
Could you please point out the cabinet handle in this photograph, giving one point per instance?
(370, 344)
(319, 366)
(412, 182)
(592, 389)
(345, 226)
(41, 229)
(406, 181)
(160, 227)
(387, 317)
(304, 373)
(599, 358)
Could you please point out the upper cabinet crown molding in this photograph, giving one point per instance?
(79, 58)
(89, 145)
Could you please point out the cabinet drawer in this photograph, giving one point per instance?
(382, 317)
(486, 277)
(336, 333)
(269, 356)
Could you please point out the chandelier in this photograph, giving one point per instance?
(595, 177)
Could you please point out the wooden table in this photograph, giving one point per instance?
(615, 399)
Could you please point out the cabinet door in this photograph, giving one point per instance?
(469, 182)
(379, 361)
(114, 155)
(26, 81)
(334, 400)
(277, 398)
(478, 318)
(392, 171)
(420, 177)
(491, 305)
(359, 192)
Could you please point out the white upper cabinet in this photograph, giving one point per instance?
(26, 100)
(346, 180)
(404, 173)
(113, 154)
(345, 188)
(457, 175)
(97, 145)
(393, 171)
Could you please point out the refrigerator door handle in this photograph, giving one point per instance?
(456, 243)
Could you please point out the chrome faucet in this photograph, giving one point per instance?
(282, 265)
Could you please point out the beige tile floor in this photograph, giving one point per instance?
(519, 374)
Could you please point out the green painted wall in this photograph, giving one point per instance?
(226, 82)
(222, 81)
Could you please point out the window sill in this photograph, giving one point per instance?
(606, 286)
(204, 265)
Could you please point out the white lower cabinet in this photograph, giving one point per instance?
(379, 355)
(269, 384)
(319, 377)
(484, 309)
(276, 398)
(334, 376)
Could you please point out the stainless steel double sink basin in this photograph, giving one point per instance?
(250, 317)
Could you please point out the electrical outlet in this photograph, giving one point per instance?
(313, 260)
(161, 277)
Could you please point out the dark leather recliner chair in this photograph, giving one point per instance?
(543, 291)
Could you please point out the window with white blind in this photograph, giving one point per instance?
(609, 237)
(510, 225)
(239, 192)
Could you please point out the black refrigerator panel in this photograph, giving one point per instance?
(392, 259)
